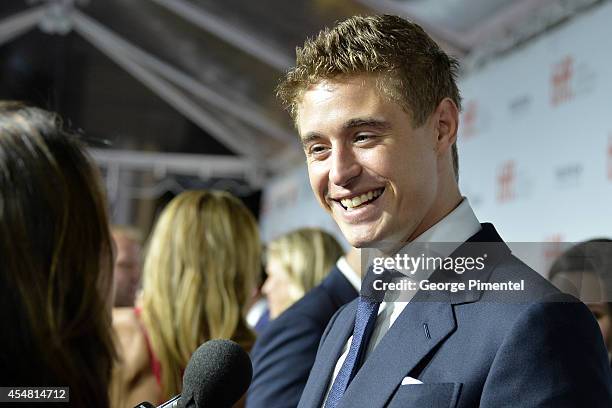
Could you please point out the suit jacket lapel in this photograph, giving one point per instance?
(406, 343)
(327, 356)
(424, 323)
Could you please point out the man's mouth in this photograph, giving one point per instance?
(351, 203)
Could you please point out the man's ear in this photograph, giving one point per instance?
(446, 118)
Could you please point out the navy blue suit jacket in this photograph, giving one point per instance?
(283, 355)
(535, 348)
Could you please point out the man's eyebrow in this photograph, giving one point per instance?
(309, 138)
(379, 124)
(367, 122)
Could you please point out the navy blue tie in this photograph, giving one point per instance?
(365, 321)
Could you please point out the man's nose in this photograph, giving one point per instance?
(344, 166)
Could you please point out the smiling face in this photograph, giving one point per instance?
(382, 180)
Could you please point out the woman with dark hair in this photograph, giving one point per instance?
(56, 260)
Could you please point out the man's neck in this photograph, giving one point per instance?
(434, 216)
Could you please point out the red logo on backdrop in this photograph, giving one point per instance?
(560, 81)
(505, 182)
(469, 119)
(610, 157)
(553, 247)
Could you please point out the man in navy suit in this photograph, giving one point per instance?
(285, 352)
(377, 108)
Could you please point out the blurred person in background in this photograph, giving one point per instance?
(585, 271)
(285, 352)
(128, 264)
(200, 268)
(56, 251)
(258, 315)
(296, 262)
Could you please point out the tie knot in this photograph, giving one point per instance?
(369, 289)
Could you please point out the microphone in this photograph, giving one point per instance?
(218, 374)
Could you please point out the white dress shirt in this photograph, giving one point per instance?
(454, 229)
(348, 272)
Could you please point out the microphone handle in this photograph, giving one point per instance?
(171, 403)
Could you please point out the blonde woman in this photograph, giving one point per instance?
(200, 269)
(296, 263)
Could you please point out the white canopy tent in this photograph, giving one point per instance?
(216, 64)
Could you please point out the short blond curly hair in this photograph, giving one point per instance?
(410, 67)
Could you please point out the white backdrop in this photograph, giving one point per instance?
(535, 143)
(535, 140)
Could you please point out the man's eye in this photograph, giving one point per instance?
(317, 149)
(363, 137)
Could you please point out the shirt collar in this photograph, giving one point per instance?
(449, 233)
(457, 227)
(349, 273)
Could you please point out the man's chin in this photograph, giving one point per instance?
(359, 239)
(364, 239)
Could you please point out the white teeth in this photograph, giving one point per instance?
(357, 201)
